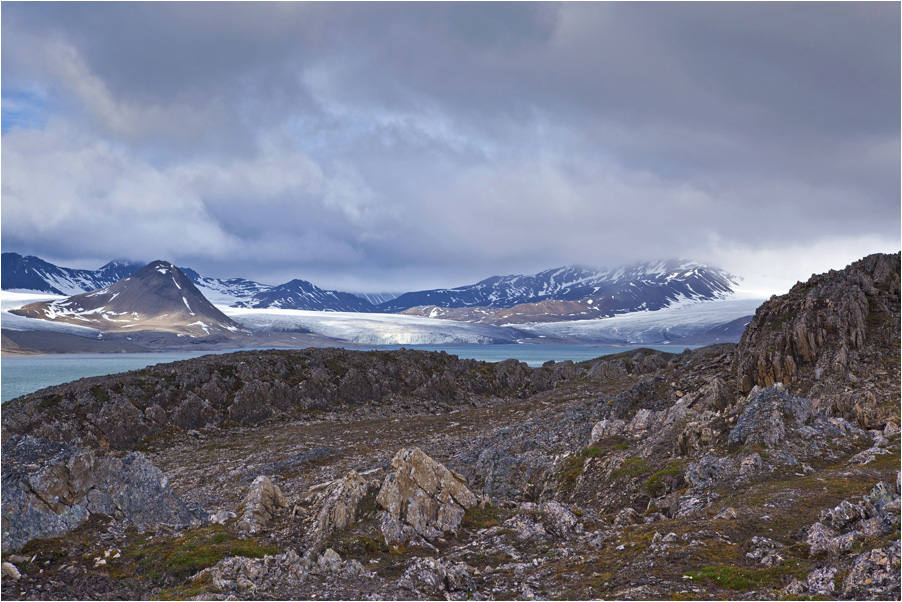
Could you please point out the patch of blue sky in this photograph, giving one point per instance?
(24, 108)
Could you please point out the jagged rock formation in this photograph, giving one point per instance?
(822, 326)
(421, 498)
(50, 489)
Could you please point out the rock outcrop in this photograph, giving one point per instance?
(817, 328)
(261, 503)
(337, 503)
(50, 489)
(421, 498)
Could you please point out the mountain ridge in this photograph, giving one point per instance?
(557, 294)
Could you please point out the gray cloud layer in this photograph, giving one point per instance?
(392, 146)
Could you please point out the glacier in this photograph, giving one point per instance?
(679, 321)
(372, 329)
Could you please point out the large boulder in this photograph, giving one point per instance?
(421, 497)
(50, 488)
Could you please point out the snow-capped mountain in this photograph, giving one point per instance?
(34, 274)
(300, 294)
(561, 294)
(157, 297)
(579, 293)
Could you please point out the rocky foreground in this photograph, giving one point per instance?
(759, 471)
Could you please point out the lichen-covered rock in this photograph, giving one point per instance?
(51, 488)
(820, 581)
(262, 501)
(422, 497)
(875, 575)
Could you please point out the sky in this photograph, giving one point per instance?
(403, 146)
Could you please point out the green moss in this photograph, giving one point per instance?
(476, 518)
(632, 467)
(51, 402)
(100, 394)
(184, 556)
(656, 484)
(743, 579)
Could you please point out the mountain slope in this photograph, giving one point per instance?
(157, 297)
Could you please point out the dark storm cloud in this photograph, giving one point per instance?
(398, 145)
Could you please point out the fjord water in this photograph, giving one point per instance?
(25, 374)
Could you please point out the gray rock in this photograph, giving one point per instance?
(423, 495)
(9, 571)
(262, 501)
(820, 581)
(51, 488)
(441, 576)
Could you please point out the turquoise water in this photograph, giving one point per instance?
(26, 374)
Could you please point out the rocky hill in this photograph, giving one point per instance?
(157, 297)
(335, 474)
